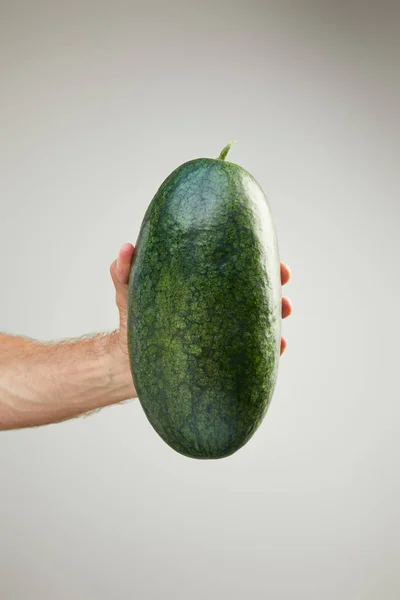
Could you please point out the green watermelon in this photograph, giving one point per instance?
(204, 308)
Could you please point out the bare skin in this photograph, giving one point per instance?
(43, 383)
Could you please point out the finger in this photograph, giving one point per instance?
(120, 268)
(283, 345)
(286, 308)
(285, 273)
(123, 264)
(113, 273)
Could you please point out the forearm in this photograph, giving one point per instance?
(48, 383)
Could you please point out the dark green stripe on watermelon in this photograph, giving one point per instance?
(204, 309)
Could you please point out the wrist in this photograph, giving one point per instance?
(117, 367)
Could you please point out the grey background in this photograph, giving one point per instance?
(99, 102)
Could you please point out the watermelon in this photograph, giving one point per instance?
(204, 308)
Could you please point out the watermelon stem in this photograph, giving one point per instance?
(225, 151)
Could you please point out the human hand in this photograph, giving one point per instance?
(286, 304)
(120, 270)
